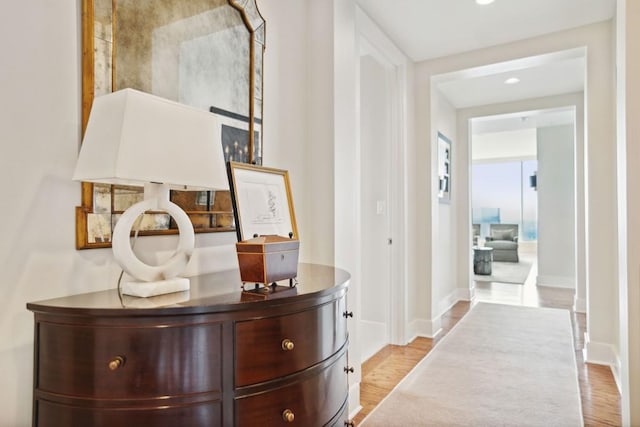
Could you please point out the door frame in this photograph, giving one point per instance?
(371, 40)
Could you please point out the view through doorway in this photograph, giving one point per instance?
(505, 192)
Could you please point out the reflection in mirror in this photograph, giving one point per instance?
(192, 51)
(204, 53)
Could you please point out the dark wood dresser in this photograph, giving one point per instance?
(204, 357)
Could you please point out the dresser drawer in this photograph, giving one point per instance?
(121, 362)
(201, 415)
(276, 346)
(342, 419)
(313, 401)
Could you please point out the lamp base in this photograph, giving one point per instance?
(160, 287)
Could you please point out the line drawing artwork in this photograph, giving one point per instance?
(266, 204)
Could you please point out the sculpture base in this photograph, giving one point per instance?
(160, 287)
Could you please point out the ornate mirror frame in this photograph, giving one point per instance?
(99, 46)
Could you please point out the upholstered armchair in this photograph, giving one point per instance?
(503, 238)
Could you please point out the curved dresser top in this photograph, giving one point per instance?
(210, 293)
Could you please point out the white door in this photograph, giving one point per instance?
(375, 143)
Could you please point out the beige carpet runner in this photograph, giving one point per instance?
(500, 365)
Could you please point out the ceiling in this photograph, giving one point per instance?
(427, 29)
(523, 120)
(550, 76)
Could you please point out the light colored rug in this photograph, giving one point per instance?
(500, 365)
(507, 272)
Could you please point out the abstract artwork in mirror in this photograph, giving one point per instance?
(204, 53)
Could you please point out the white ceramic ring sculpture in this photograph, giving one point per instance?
(123, 253)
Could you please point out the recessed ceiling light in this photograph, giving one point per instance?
(512, 81)
(483, 2)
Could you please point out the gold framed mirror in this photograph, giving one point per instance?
(204, 53)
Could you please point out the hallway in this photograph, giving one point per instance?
(600, 397)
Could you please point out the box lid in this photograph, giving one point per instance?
(269, 243)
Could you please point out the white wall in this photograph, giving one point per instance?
(286, 124)
(319, 138)
(444, 249)
(601, 215)
(345, 195)
(556, 207)
(39, 130)
(628, 126)
(514, 144)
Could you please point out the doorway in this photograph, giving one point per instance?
(526, 176)
(375, 137)
(382, 92)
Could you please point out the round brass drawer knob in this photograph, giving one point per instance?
(117, 362)
(288, 415)
(287, 344)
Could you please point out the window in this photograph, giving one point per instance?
(501, 193)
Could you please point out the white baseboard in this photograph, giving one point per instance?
(450, 300)
(423, 328)
(580, 305)
(354, 400)
(374, 336)
(617, 373)
(600, 353)
(465, 294)
(431, 328)
(556, 281)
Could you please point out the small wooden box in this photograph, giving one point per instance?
(267, 259)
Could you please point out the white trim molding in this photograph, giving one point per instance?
(556, 281)
(354, 400)
(600, 353)
(374, 336)
(424, 328)
(579, 304)
(373, 41)
(445, 304)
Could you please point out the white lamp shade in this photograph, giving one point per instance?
(133, 138)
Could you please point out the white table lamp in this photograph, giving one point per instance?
(134, 138)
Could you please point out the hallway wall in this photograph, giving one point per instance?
(445, 242)
(628, 126)
(556, 207)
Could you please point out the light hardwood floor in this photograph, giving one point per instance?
(600, 398)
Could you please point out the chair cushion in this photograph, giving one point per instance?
(502, 244)
(502, 234)
(505, 256)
